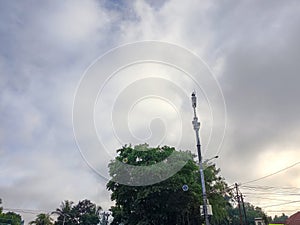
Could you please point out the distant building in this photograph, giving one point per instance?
(259, 221)
(293, 219)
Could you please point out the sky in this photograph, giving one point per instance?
(79, 79)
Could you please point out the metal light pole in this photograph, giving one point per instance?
(196, 126)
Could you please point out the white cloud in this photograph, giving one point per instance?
(251, 46)
(74, 23)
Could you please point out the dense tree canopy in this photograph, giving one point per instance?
(84, 213)
(165, 202)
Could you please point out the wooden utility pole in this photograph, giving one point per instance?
(245, 215)
(239, 203)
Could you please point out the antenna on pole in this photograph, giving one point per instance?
(196, 126)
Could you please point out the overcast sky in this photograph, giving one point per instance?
(241, 57)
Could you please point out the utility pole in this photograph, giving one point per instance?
(239, 203)
(196, 126)
(242, 198)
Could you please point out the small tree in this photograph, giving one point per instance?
(252, 212)
(9, 217)
(42, 219)
(281, 218)
(65, 214)
(87, 213)
(84, 213)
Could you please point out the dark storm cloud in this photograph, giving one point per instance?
(260, 78)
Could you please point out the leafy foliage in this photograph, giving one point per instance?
(9, 217)
(281, 218)
(84, 213)
(164, 202)
(218, 194)
(65, 213)
(42, 219)
(252, 212)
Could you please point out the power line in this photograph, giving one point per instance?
(29, 211)
(276, 192)
(282, 210)
(270, 187)
(279, 171)
(277, 196)
(273, 199)
(271, 194)
(286, 203)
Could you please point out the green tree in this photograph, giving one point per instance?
(165, 202)
(42, 219)
(218, 193)
(252, 212)
(65, 213)
(84, 213)
(87, 213)
(9, 217)
(281, 218)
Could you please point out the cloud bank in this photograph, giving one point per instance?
(251, 47)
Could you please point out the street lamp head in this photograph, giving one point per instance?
(207, 160)
(194, 99)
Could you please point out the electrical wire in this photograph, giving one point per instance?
(291, 202)
(272, 174)
(29, 211)
(273, 199)
(281, 210)
(276, 195)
